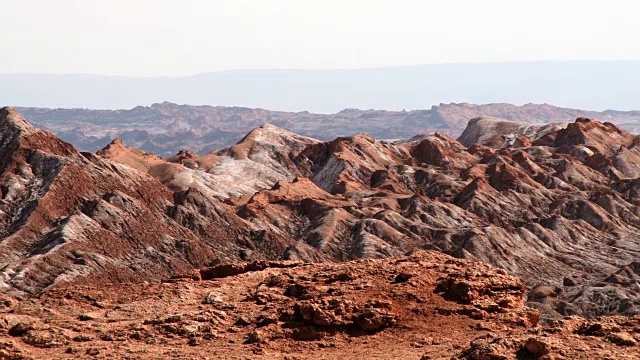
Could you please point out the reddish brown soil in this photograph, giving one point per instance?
(426, 306)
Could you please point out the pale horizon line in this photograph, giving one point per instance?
(366, 68)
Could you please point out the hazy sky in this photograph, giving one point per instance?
(171, 37)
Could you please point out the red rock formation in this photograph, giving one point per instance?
(77, 218)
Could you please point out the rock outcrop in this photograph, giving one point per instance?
(427, 305)
(499, 133)
(70, 217)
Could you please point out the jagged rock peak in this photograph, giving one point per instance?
(586, 124)
(498, 133)
(116, 145)
(268, 128)
(606, 137)
(186, 154)
(16, 132)
(10, 118)
(268, 135)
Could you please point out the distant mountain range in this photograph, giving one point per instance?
(582, 85)
(166, 128)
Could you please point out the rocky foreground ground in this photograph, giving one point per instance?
(423, 306)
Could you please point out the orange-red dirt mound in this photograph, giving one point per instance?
(424, 306)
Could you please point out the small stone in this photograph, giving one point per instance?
(92, 351)
(296, 291)
(85, 317)
(20, 329)
(374, 319)
(622, 339)
(173, 319)
(595, 329)
(242, 321)
(264, 320)
(212, 298)
(44, 339)
(255, 337)
(307, 333)
(82, 338)
(402, 277)
(570, 281)
(245, 254)
(537, 347)
(483, 327)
